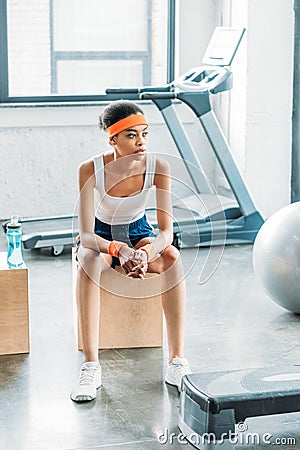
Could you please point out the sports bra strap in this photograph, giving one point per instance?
(99, 170)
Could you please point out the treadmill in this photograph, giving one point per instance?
(203, 218)
(55, 232)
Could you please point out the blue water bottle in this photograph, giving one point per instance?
(14, 240)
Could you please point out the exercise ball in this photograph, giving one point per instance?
(276, 257)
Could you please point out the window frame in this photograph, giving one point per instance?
(55, 56)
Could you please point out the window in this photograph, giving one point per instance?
(52, 50)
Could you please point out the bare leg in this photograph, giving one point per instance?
(169, 265)
(91, 265)
(174, 305)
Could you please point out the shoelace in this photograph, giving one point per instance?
(87, 375)
(182, 366)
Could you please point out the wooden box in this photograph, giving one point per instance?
(14, 315)
(130, 310)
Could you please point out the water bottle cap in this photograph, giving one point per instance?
(13, 223)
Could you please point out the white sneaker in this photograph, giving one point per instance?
(88, 382)
(176, 370)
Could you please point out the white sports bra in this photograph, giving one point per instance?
(121, 210)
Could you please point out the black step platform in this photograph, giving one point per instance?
(215, 402)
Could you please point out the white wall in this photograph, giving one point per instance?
(269, 102)
(260, 107)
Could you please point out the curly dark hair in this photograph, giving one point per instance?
(116, 111)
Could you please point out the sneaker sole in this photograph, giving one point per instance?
(173, 384)
(84, 398)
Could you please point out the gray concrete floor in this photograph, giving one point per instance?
(231, 324)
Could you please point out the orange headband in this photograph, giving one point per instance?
(124, 124)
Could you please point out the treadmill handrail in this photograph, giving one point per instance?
(124, 90)
(161, 95)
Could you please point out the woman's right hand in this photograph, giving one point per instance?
(131, 261)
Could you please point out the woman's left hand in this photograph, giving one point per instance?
(141, 265)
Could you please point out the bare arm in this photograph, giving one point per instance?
(162, 182)
(86, 214)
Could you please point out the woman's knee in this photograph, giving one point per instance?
(170, 256)
(91, 263)
(166, 260)
(87, 256)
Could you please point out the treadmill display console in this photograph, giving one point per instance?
(212, 75)
(222, 46)
(205, 78)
